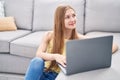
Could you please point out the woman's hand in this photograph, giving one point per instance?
(60, 59)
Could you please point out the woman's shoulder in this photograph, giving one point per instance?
(81, 36)
(49, 35)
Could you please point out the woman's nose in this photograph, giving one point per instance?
(72, 18)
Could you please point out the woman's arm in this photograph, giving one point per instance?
(114, 48)
(80, 36)
(41, 52)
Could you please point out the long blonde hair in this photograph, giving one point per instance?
(59, 30)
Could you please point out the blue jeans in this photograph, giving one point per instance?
(36, 71)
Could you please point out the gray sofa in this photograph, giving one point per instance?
(35, 17)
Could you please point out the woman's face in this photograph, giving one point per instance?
(70, 19)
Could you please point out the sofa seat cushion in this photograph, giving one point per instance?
(116, 36)
(13, 64)
(27, 45)
(7, 36)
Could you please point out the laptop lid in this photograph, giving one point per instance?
(88, 54)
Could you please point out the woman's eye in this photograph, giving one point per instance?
(73, 15)
(67, 17)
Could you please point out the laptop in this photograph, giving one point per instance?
(88, 54)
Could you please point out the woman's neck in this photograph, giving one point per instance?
(67, 34)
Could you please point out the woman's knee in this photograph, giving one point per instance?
(37, 63)
(35, 69)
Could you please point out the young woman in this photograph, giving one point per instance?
(52, 50)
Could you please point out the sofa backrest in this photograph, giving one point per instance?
(37, 15)
(102, 15)
(22, 11)
(44, 13)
